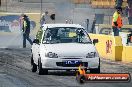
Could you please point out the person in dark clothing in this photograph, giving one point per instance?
(0, 2)
(129, 38)
(93, 26)
(26, 30)
(129, 11)
(118, 3)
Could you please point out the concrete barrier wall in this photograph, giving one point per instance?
(109, 47)
(127, 54)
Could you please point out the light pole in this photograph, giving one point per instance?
(0, 3)
(41, 8)
(6, 5)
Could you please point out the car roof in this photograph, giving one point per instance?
(62, 25)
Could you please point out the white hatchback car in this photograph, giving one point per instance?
(64, 47)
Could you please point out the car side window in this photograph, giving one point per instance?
(39, 35)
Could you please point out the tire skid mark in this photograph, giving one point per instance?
(15, 56)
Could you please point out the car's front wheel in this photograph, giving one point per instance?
(96, 70)
(81, 79)
(41, 71)
(33, 65)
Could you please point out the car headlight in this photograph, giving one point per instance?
(92, 55)
(51, 55)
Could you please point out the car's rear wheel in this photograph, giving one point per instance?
(33, 65)
(41, 71)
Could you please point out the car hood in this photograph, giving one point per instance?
(69, 49)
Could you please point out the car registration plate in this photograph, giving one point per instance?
(72, 62)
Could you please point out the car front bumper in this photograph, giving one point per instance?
(58, 63)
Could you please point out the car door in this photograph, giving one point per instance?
(35, 51)
(35, 46)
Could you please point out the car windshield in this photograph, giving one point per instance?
(65, 35)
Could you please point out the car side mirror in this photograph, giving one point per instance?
(95, 41)
(36, 41)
